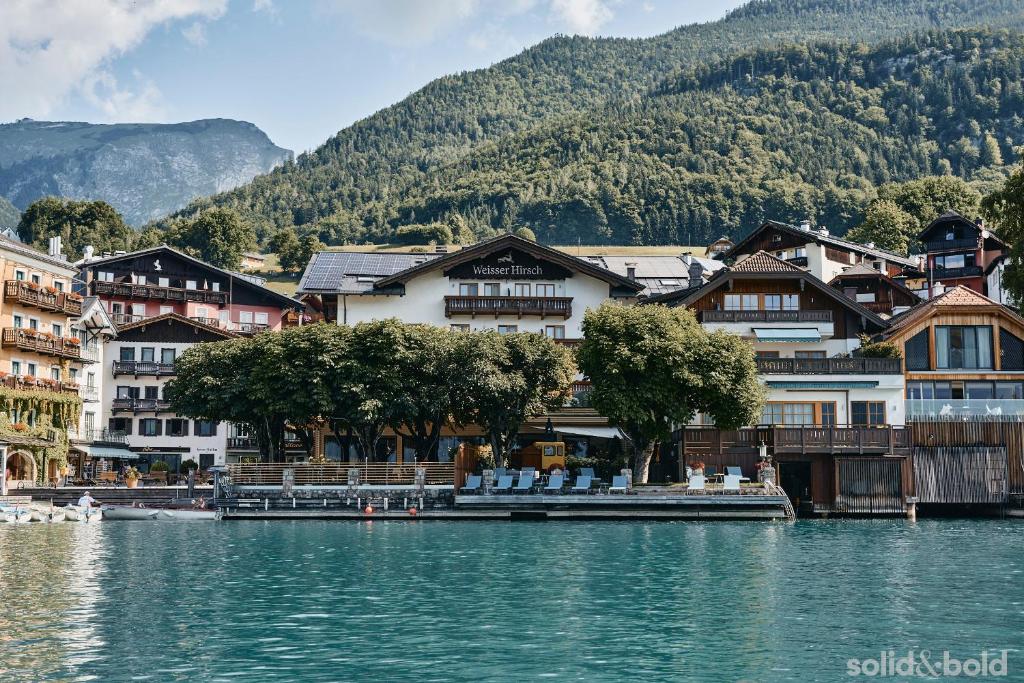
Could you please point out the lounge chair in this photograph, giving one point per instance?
(734, 470)
(710, 471)
(525, 483)
(504, 484)
(619, 484)
(500, 472)
(472, 484)
(532, 471)
(582, 484)
(555, 483)
(696, 484)
(588, 472)
(731, 483)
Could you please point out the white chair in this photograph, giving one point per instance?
(732, 483)
(696, 484)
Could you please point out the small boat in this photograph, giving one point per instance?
(183, 515)
(159, 514)
(74, 513)
(16, 515)
(119, 512)
(46, 514)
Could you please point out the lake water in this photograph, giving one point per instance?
(326, 601)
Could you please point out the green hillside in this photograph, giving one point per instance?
(523, 137)
(9, 215)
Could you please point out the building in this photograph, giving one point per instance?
(824, 255)
(959, 251)
(875, 290)
(719, 247)
(41, 361)
(253, 260)
(831, 414)
(994, 281)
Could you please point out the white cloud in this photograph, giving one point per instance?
(50, 49)
(584, 17)
(195, 33)
(404, 23)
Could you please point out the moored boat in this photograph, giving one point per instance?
(74, 513)
(127, 512)
(183, 515)
(47, 514)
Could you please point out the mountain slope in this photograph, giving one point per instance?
(9, 216)
(143, 170)
(376, 160)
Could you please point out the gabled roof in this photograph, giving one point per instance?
(862, 271)
(818, 237)
(180, 319)
(505, 242)
(766, 266)
(94, 317)
(246, 281)
(27, 250)
(338, 272)
(959, 297)
(951, 216)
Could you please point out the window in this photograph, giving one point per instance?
(916, 351)
(262, 318)
(127, 353)
(167, 355)
(979, 390)
(781, 302)
(37, 278)
(139, 279)
(15, 367)
(460, 327)
(949, 261)
(148, 354)
(772, 302)
(508, 329)
(89, 422)
(202, 312)
(55, 372)
(224, 317)
(127, 392)
(138, 311)
(116, 307)
(31, 369)
(205, 428)
(545, 290)
(190, 284)
(866, 298)
(58, 329)
(105, 276)
(788, 414)
(469, 289)
(152, 393)
(19, 275)
(164, 310)
(828, 413)
(18, 320)
(766, 354)
(164, 281)
(58, 285)
(492, 289)
(149, 426)
(215, 286)
(554, 331)
(963, 346)
(522, 289)
(245, 317)
(1011, 351)
(177, 427)
(809, 354)
(1010, 390)
(867, 413)
(33, 323)
(73, 374)
(90, 380)
(741, 302)
(120, 424)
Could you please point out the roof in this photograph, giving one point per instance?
(94, 313)
(177, 317)
(949, 215)
(956, 297)
(819, 237)
(862, 271)
(31, 252)
(658, 274)
(763, 262)
(242, 279)
(363, 273)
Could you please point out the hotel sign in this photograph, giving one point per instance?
(509, 264)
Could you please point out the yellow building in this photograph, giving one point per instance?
(40, 361)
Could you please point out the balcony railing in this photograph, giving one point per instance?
(142, 367)
(37, 383)
(120, 319)
(89, 393)
(959, 408)
(829, 366)
(140, 405)
(27, 339)
(543, 306)
(953, 273)
(105, 436)
(212, 322)
(798, 261)
(338, 473)
(249, 328)
(242, 443)
(766, 316)
(797, 439)
(130, 291)
(950, 245)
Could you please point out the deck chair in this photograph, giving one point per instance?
(619, 484)
(588, 472)
(472, 484)
(500, 472)
(525, 483)
(582, 484)
(710, 471)
(504, 484)
(696, 484)
(732, 483)
(734, 470)
(555, 483)
(532, 471)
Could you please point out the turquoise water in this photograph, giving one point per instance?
(333, 601)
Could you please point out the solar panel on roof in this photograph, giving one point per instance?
(330, 269)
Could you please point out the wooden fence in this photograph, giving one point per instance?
(1001, 431)
(337, 474)
(960, 474)
(869, 486)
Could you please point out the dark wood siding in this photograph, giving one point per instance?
(960, 474)
(869, 486)
(1005, 432)
(169, 331)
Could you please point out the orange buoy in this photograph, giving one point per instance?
(412, 511)
(368, 510)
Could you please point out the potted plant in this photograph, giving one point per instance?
(697, 467)
(74, 340)
(51, 290)
(131, 477)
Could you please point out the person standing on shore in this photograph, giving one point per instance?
(87, 501)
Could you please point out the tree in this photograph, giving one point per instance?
(511, 378)
(653, 368)
(990, 152)
(925, 199)
(432, 233)
(888, 226)
(526, 234)
(293, 254)
(78, 223)
(1004, 210)
(217, 236)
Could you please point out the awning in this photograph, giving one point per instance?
(787, 334)
(599, 432)
(106, 452)
(823, 385)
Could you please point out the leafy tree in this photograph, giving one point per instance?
(433, 233)
(653, 368)
(217, 236)
(526, 234)
(78, 223)
(293, 254)
(1004, 210)
(880, 349)
(888, 226)
(990, 152)
(511, 378)
(925, 199)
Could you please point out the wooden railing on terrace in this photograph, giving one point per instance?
(829, 439)
(766, 316)
(45, 298)
(142, 367)
(130, 291)
(337, 474)
(829, 366)
(28, 339)
(543, 306)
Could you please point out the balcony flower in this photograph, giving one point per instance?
(33, 286)
(73, 296)
(51, 290)
(20, 427)
(74, 340)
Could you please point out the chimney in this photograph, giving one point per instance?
(631, 270)
(54, 246)
(805, 226)
(980, 222)
(823, 231)
(88, 252)
(938, 289)
(696, 273)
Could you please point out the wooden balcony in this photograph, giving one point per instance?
(544, 306)
(766, 316)
(249, 329)
(139, 405)
(340, 473)
(954, 273)
(44, 298)
(829, 366)
(140, 368)
(127, 290)
(37, 384)
(120, 319)
(797, 439)
(27, 339)
(952, 245)
(242, 443)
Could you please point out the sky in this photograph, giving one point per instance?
(301, 70)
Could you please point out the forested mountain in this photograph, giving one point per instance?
(143, 170)
(664, 139)
(8, 214)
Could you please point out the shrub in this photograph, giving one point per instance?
(526, 234)
(187, 465)
(870, 349)
(159, 466)
(437, 233)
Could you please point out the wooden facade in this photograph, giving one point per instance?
(961, 436)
